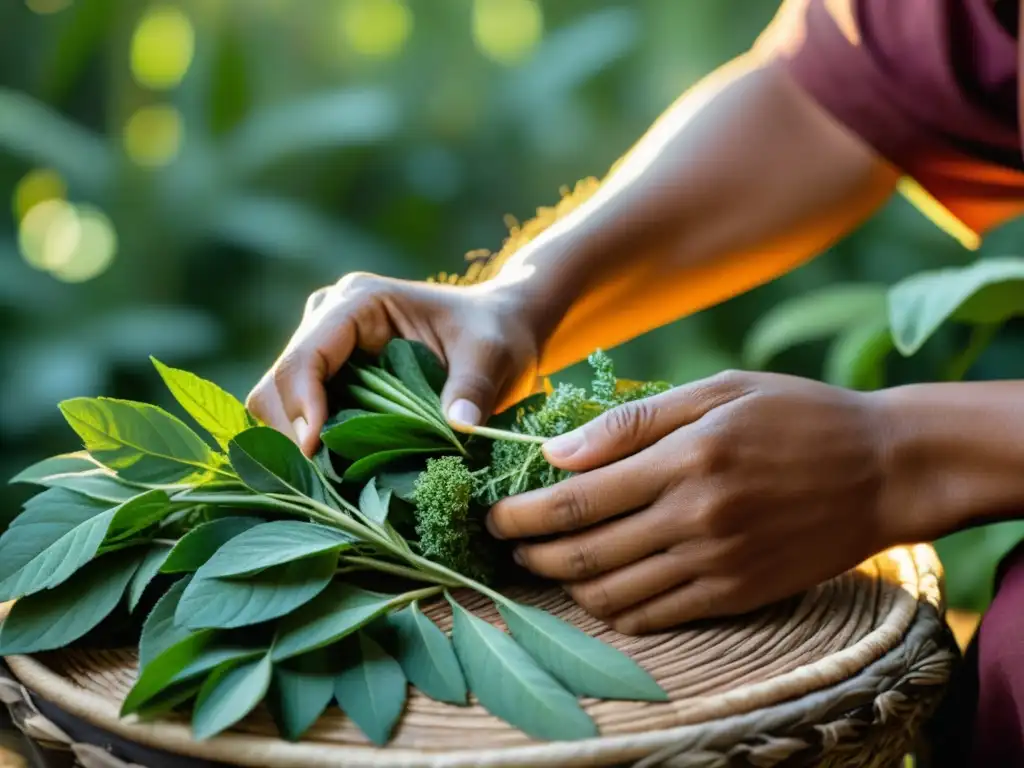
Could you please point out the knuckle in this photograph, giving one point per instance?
(594, 598)
(582, 561)
(570, 507)
(712, 452)
(316, 299)
(728, 379)
(630, 422)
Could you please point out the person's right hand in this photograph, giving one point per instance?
(483, 336)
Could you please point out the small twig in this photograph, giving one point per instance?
(499, 434)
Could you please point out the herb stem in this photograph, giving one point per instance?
(417, 594)
(500, 434)
(398, 570)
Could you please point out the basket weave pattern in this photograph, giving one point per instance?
(842, 676)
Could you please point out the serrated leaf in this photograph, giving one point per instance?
(809, 317)
(63, 464)
(362, 470)
(141, 442)
(57, 617)
(509, 683)
(228, 695)
(159, 631)
(373, 503)
(147, 571)
(339, 611)
(856, 358)
(198, 545)
(55, 537)
(216, 411)
(359, 436)
(583, 664)
(215, 603)
(299, 694)
(273, 544)
(424, 652)
(987, 292)
(408, 360)
(372, 690)
(268, 462)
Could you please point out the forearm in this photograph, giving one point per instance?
(740, 181)
(954, 453)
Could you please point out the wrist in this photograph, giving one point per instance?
(949, 461)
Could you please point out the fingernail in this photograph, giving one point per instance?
(564, 446)
(517, 556)
(492, 528)
(465, 412)
(301, 429)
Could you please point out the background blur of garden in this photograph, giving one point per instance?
(180, 175)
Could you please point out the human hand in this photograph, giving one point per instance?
(711, 499)
(482, 334)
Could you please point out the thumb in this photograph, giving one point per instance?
(476, 376)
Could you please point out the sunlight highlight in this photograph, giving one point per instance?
(37, 186)
(162, 48)
(375, 28)
(153, 136)
(507, 31)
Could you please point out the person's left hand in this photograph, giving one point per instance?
(711, 499)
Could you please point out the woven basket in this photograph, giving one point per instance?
(841, 676)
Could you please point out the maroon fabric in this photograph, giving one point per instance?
(998, 728)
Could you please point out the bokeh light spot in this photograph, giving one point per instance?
(375, 28)
(46, 7)
(153, 135)
(37, 186)
(162, 48)
(507, 30)
(72, 244)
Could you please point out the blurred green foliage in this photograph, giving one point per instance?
(245, 152)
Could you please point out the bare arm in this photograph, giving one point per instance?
(743, 179)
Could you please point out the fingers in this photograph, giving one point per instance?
(477, 372)
(578, 502)
(264, 403)
(699, 599)
(631, 427)
(602, 549)
(634, 584)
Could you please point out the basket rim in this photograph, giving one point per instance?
(916, 569)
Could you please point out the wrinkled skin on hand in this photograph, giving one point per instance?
(483, 336)
(712, 499)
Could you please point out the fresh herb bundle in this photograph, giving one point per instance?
(254, 561)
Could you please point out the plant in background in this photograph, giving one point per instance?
(866, 322)
(298, 581)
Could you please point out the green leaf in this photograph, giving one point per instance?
(425, 653)
(408, 364)
(401, 484)
(214, 603)
(96, 483)
(299, 693)
(147, 571)
(168, 700)
(340, 610)
(856, 359)
(511, 685)
(584, 664)
(159, 632)
(273, 544)
(360, 436)
(138, 514)
(63, 464)
(198, 545)
(390, 388)
(372, 690)
(811, 317)
(373, 503)
(159, 672)
(59, 534)
(268, 462)
(55, 618)
(141, 442)
(230, 693)
(987, 292)
(216, 411)
(367, 467)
